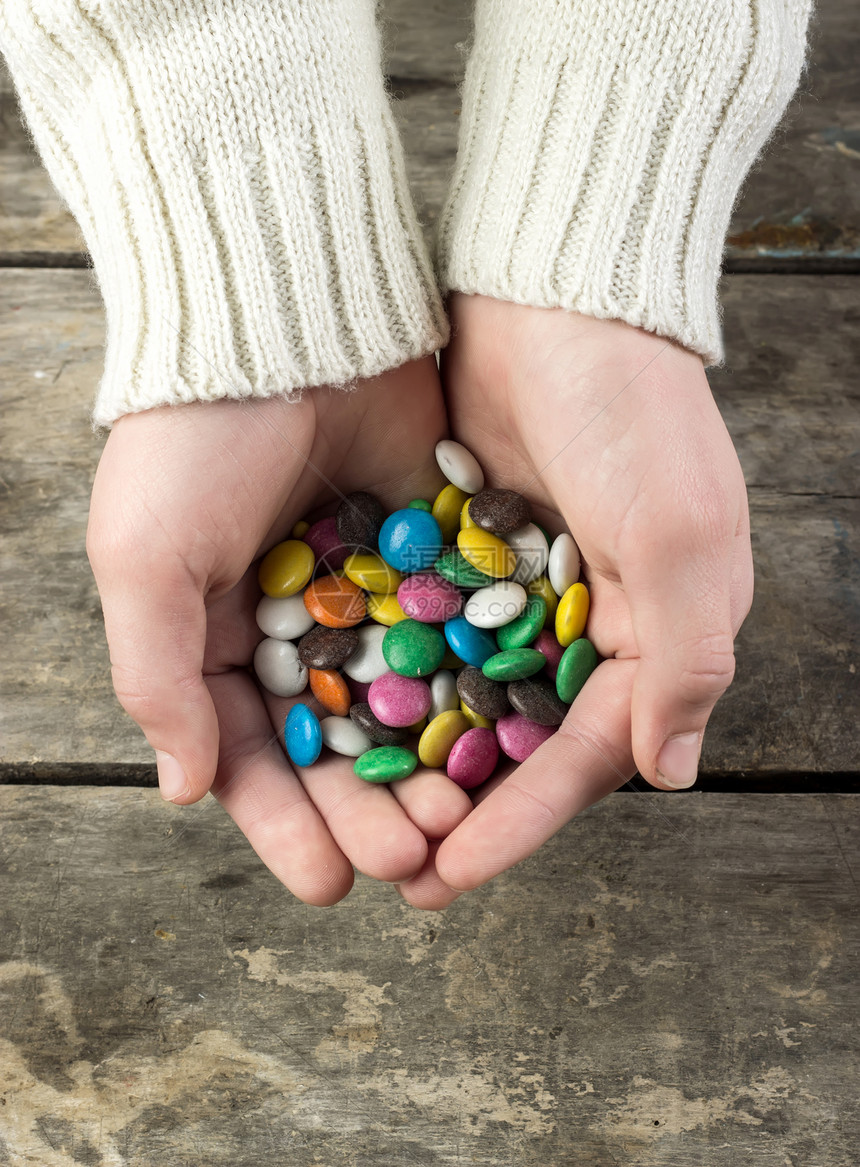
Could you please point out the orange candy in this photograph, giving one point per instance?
(335, 602)
(331, 690)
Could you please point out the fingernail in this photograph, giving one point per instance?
(171, 777)
(678, 762)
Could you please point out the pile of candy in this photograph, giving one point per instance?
(434, 622)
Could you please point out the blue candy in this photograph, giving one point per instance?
(302, 735)
(410, 540)
(472, 645)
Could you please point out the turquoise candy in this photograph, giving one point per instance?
(385, 764)
(524, 628)
(575, 667)
(514, 664)
(471, 644)
(410, 540)
(302, 735)
(455, 567)
(413, 649)
(420, 504)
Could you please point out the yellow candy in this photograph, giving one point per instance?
(450, 660)
(286, 569)
(465, 517)
(571, 614)
(418, 726)
(474, 719)
(384, 609)
(487, 552)
(446, 510)
(542, 587)
(300, 529)
(438, 738)
(371, 572)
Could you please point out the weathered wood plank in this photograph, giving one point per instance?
(670, 990)
(801, 204)
(800, 207)
(788, 395)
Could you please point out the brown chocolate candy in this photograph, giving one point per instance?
(358, 520)
(499, 511)
(489, 698)
(383, 735)
(327, 648)
(536, 699)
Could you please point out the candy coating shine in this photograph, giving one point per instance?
(571, 614)
(286, 568)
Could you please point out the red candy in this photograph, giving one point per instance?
(323, 540)
(547, 643)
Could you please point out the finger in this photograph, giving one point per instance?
(363, 818)
(265, 799)
(588, 757)
(155, 622)
(434, 803)
(681, 607)
(426, 889)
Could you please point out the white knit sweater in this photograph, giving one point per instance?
(238, 178)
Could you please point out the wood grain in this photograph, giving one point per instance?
(789, 397)
(666, 990)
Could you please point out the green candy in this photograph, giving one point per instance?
(522, 630)
(514, 664)
(385, 764)
(413, 649)
(420, 504)
(575, 667)
(455, 567)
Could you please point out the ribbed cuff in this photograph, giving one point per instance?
(602, 148)
(239, 181)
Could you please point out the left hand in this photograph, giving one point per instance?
(613, 433)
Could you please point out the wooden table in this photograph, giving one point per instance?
(669, 982)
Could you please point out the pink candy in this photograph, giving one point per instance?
(399, 701)
(473, 758)
(358, 689)
(429, 598)
(547, 643)
(520, 737)
(329, 552)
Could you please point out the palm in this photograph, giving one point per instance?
(611, 433)
(275, 462)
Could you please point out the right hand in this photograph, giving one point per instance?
(186, 500)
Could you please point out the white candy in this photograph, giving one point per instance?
(443, 693)
(495, 605)
(459, 466)
(564, 563)
(285, 619)
(342, 735)
(278, 668)
(530, 547)
(367, 662)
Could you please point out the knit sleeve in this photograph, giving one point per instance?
(238, 178)
(602, 147)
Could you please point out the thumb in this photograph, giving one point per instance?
(683, 625)
(155, 621)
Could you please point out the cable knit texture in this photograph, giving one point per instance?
(237, 175)
(602, 147)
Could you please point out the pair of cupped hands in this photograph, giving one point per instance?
(609, 431)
